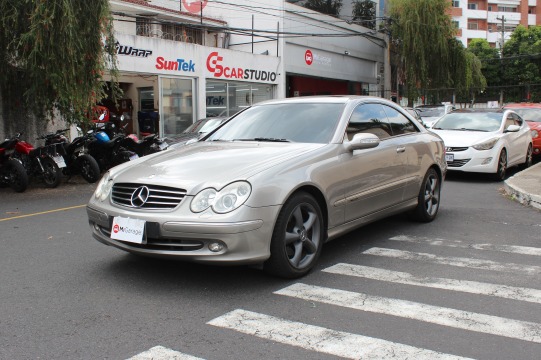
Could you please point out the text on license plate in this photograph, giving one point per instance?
(128, 229)
(59, 160)
(449, 157)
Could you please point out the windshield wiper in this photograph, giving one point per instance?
(264, 139)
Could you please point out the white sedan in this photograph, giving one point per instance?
(485, 141)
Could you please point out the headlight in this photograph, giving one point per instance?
(228, 199)
(535, 134)
(487, 145)
(104, 187)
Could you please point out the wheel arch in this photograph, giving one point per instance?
(320, 198)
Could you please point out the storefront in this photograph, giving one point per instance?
(169, 85)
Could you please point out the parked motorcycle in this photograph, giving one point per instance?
(78, 160)
(45, 162)
(12, 171)
(109, 152)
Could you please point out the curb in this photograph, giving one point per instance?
(516, 186)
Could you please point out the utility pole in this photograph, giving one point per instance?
(502, 19)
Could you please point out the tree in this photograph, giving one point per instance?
(491, 66)
(54, 53)
(422, 31)
(364, 12)
(329, 7)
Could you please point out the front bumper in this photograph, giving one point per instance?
(471, 160)
(245, 240)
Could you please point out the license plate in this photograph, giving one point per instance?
(134, 156)
(163, 145)
(127, 229)
(449, 157)
(59, 160)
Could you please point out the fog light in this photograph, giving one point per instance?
(487, 161)
(216, 247)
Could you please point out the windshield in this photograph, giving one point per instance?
(489, 121)
(295, 122)
(529, 114)
(431, 111)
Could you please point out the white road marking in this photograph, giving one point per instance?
(162, 353)
(488, 324)
(455, 261)
(525, 250)
(472, 287)
(315, 338)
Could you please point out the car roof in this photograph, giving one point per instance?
(432, 106)
(479, 110)
(337, 99)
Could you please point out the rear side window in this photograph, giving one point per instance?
(369, 118)
(400, 124)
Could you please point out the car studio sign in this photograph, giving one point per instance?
(216, 66)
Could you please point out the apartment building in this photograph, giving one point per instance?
(489, 19)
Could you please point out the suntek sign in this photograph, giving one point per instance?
(215, 66)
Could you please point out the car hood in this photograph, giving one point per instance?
(534, 125)
(210, 164)
(458, 138)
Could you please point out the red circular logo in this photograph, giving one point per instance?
(308, 57)
(194, 6)
(116, 228)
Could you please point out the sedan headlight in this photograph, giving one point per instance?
(228, 199)
(535, 134)
(104, 187)
(487, 145)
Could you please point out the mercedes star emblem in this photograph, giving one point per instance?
(140, 196)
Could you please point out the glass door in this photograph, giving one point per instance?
(177, 110)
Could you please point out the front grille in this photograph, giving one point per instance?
(154, 242)
(456, 149)
(159, 197)
(458, 163)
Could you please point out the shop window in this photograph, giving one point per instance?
(177, 105)
(227, 98)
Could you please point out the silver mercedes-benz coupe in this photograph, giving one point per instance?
(273, 183)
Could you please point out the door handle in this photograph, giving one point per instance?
(400, 149)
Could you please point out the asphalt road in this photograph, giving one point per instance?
(474, 289)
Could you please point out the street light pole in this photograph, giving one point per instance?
(502, 19)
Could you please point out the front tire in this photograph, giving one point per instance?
(52, 174)
(88, 168)
(428, 201)
(501, 172)
(297, 238)
(529, 157)
(16, 175)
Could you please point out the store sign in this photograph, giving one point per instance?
(175, 65)
(216, 67)
(215, 100)
(315, 58)
(131, 51)
(194, 6)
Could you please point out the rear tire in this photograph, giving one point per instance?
(297, 238)
(52, 174)
(17, 178)
(88, 168)
(428, 201)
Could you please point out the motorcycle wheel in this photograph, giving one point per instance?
(88, 168)
(52, 174)
(17, 177)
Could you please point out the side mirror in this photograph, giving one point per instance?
(362, 141)
(512, 128)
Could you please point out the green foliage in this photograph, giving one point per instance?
(522, 57)
(490, 60)
(54, 50)
(329, 7)
(364, 12)
(429, 54)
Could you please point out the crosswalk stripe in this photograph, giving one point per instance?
(455, 261)
(460, 319)
(472, 287)
(315, 338)
(525, 250)
(162, 353)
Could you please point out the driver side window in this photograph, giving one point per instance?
(369, 118)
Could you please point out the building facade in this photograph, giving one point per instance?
(180, 61)
(493, 20)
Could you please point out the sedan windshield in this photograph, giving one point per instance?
(292, 122)
(481, 121)
(431, 111)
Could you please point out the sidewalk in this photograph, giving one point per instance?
(525, 186)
